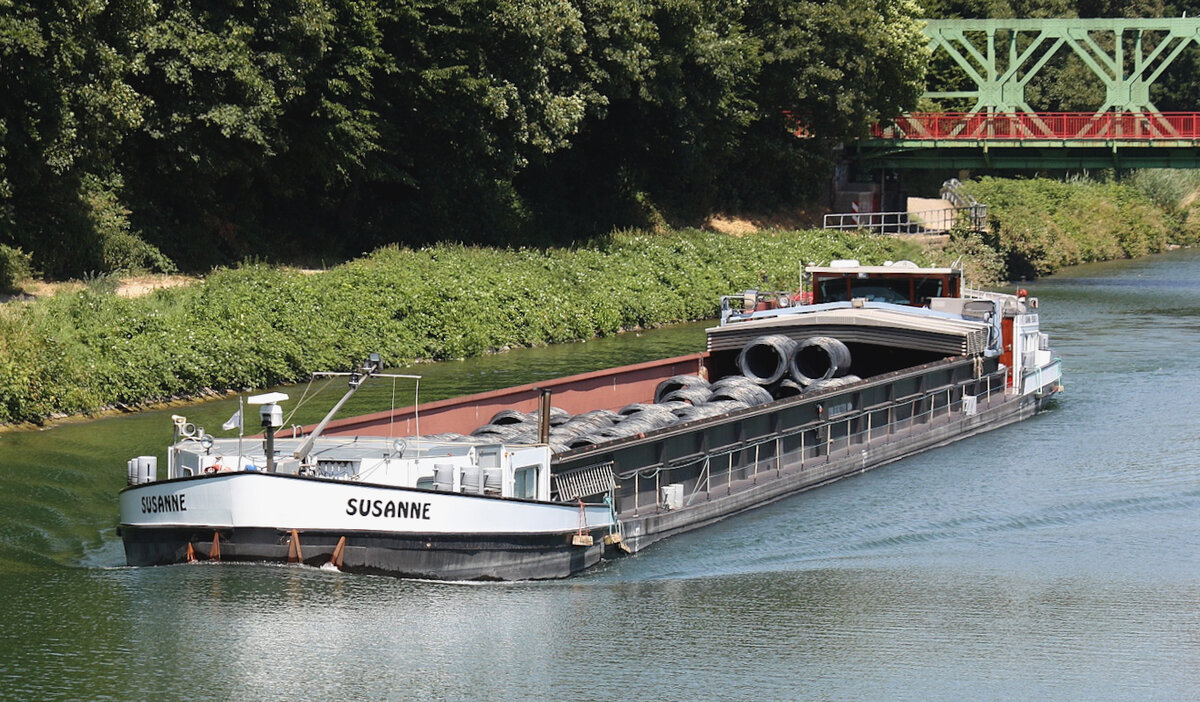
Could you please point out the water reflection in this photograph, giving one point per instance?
(235, 632)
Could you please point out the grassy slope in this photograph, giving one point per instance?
(256, 326)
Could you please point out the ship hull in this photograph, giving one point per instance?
(436, 557)
(404, 532)
(795, 474)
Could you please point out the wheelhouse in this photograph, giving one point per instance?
(898, 284)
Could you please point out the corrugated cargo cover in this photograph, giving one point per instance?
(894, 328)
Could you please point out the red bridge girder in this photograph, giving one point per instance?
(1041, 126)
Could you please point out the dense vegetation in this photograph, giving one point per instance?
(1040, 225)
(255, 326)
(185, 133)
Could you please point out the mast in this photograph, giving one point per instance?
(369, 367)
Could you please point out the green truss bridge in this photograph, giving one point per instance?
(997, 59)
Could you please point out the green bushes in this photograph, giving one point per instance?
(256, 326)
(982, 265)
(1176, 191)
(15, 266)
(1169, 188)
(1041, 225)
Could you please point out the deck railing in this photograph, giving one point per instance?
(816, 443)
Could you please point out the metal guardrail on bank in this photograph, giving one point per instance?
(938, 221)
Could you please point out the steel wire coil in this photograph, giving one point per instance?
(677, 382)
(589, 422)
(786, 388)
(559, 416)
(655, 414)
(830, 383)
(511, 416)
(692, 395)
(710, 409)
(765, 359)
(529, 436)
(819, 358)
(751, 394)
(501, 430)
(579, 442)
(732, 380)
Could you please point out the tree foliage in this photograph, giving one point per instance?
(1040, 225)
(64, 69)
(216, 130)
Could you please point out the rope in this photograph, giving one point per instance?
(303, 396)
(392, 414)
(299, 402)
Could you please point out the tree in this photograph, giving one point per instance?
(676, 79)
(221, 78)
(830, 70)
(63, 68)
(480, 91)
(321, 128)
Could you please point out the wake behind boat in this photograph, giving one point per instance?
(866, 366)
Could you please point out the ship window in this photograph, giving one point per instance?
(832, 290)
(882, 291)
(928, 288)
(875, 289)
(525, 482)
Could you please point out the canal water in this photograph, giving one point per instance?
(1055, 559)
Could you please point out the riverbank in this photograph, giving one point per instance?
(90, 349)
(102, 346)
(1039, 226)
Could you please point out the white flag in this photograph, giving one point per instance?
(234, 422)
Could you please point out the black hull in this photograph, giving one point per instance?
(431, 557)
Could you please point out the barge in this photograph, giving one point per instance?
(867, 365)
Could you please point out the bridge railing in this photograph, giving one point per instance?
(1021, 126)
